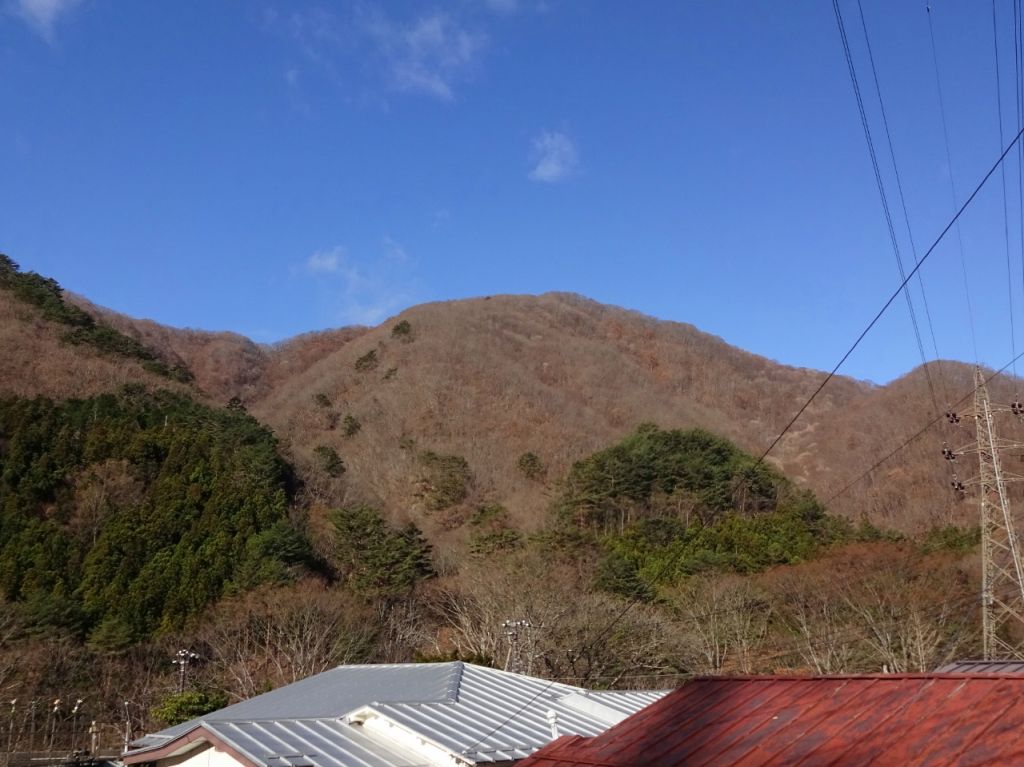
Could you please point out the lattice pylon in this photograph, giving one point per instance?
(1002, 572)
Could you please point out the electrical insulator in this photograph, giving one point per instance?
(952, 417)
(948, 454)
(1017, 408)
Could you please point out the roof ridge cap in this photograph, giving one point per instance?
(455, 681)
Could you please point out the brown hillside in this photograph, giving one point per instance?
(35, 361)
(224, 364)
(559, 376)
(556, 375)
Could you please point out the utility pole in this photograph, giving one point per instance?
(52, 721)
(1002, 570)
(74, 724)
(514, 659)
(127, 727)
(10, 729)
(32, 725)
(184, 659)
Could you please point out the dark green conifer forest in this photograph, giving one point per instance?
(124, 515)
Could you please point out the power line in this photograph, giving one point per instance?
(666, 565)
(1002, 171)
(903, 200)
(917, 435)
(1018, 63)
(794, 644)
(878, 179)
(510, 717)
(902, 288)
(856, 633)
(589, 646)
(852, 634)
(952, 183)
(892, 298)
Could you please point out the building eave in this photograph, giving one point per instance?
(188, 742)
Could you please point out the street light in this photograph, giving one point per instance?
(74, 723)
(183, 659)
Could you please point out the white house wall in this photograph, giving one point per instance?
(204, 756)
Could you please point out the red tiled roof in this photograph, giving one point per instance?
(927, 719)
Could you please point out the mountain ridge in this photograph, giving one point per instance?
(491, 379)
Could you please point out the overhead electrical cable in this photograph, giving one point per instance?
(918, 434)
(1002, 172)
(952, 182)
(790, 645)
(1018, 62)
(590, 645)
(782, 648)
(888, 303)
(901, 289)
(670, 562)
(855, 633)
(881, 188)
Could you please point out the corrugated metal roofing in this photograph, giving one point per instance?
(478, 713)
(937, 719)
(983, 667)
(336, 692)
(311, 743)
(627, 702)
(501, 716)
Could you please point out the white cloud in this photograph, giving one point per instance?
(325, 261)
(394, 252)
(554, 157)
(365, 292)
(429, 55)
(42, 15)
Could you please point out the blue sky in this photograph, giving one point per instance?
(277, 167)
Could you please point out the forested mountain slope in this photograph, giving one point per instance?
(560, 376)
(396, 493)
(489, 380)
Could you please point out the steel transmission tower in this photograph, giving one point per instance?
(1002, 571)
(1002, 591)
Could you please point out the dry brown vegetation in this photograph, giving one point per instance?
(35, 361)
(864, 608)
(556, 375)
(462, 417)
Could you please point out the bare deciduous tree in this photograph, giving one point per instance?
(813, 614)
(278, 636)
(576, 634)
(911, 609)
(9, 628)
(723, 623)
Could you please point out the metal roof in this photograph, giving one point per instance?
(500, 716)
(937, 719)
(334, 693)
(983, 667)
(475, 713)
(312, 743)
